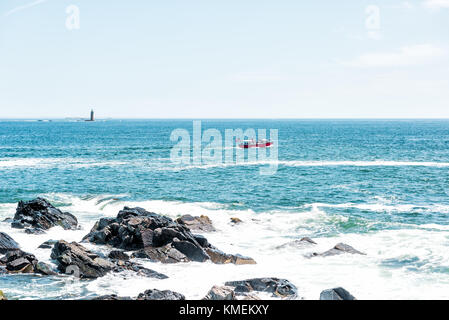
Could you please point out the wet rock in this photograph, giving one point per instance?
(336, 294)
(35, 231)
(111, 297)
(301, 243)
(47, 244)
(3, 270)
(18, 261)
(118, 255)
(236, 220)
(157, 238)
(41, 214)
(340, 248)
(7, 243)
(9, 220)
(219, 257)
(44, 269)
(220, 293)
(74, 258)
(278, 287)
(138, 269)
(165, 254)
(202, 223)
(2, 296)
(160, 295)
(249, 296)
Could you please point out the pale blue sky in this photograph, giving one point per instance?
(225, 59)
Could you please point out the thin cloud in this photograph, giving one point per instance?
(436, 4)
(24, 7)
(405, 56)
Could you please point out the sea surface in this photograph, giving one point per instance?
(381, 186)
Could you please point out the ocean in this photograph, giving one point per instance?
(381, 186)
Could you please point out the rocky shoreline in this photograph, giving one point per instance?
(137, 233)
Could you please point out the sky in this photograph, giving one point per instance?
(224, 59)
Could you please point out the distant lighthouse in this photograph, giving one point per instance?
(92, 115)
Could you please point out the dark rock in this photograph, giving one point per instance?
(44, 269)
(166, 254)
(34, 231)
(340, 248)
(336, 294)
(47, 244)
(202, 223)
(3, 270)
(278, 287)
(118, 255)
(8, 220)
(160, 295)
(219, 257)
(157, 238)
(191, 251)
(137, 268)
(7, 243)
(18, 261)
(41, 214)
(301, 243)
(111, 297)
(220, 293)
(74, 258)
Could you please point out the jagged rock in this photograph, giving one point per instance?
(118, 255)
(219, 257)
(2, 296)
(18, 261)
(202, 223)
(278, 287)
(236, 220)
(7, 243)
(41, 214)
(336, 294)
(165, 254)
(340, 248)
(301, 243)
(220, 293)
(160, 295)
(34, 231)
(111, 297)
(140, 270)
(72, 257)
(49, 244)
(44, 269)
(249, 296)
(157, 238)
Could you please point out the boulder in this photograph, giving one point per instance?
(278, 287)
(220, 293)
(49, 244)
(157, 238)
(44, 269)
(39, 214)
(73, 258)
(219, 257)
(118, 255)
(339, 248)
(301, 243)
(202, 223)
(236, 220)
(18, 261)
(7, 243)
(160, 295)
(336, 294)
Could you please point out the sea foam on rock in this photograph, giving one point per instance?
(339, 248)
(39, 214)
(157, 238)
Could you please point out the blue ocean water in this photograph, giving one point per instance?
(364, 181)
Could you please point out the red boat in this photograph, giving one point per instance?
(255, 144)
